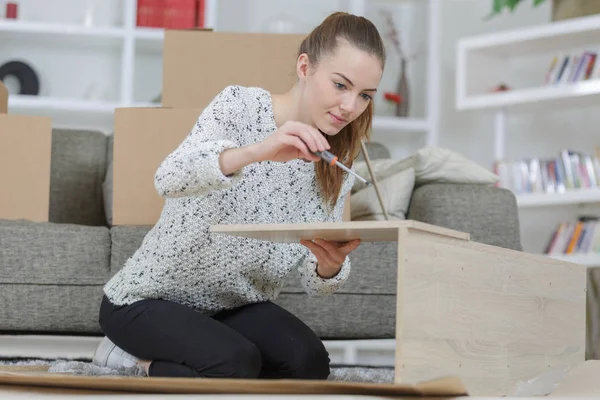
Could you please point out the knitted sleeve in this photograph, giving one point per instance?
(313, 284)
(193, 168)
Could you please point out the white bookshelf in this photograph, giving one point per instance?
(579, 196)
(485, 60)
(520, 58)
(134, 46)
(481, 61)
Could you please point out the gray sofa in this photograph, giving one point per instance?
(51, 274)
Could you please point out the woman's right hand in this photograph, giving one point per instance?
(291, 141)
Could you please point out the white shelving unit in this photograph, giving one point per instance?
(130, 41)
(484, 61)
(579, 196)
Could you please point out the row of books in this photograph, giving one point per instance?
(573, 67)
(568, 171)
(576, 237)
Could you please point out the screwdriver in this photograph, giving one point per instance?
(332, 159)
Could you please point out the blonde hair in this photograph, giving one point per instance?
(324, 40)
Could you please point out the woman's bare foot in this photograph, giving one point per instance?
(146, 365)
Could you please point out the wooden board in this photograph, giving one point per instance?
(493, 316)
(445, 386)
(366, 231)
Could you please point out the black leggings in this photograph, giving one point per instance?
(255, 341)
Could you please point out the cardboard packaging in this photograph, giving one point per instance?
(198, 64)
(144, 137)
(25, 149)
(3, 99)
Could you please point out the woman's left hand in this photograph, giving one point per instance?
(330, 255)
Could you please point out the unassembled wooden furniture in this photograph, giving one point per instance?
(489, 315)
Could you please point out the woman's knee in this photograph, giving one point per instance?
(313, 363)
(242, 360)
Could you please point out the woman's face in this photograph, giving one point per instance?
(340, 88)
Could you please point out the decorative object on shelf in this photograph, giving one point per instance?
(12, 10)
(498, 6)
(502, 87)
(402, 89)
(561, 9)
(26, 76)
(566, 9)
(393, 98)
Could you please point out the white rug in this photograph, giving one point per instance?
(85, 367)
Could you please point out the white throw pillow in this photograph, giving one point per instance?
(431, 165)
(382, 168)
(436, 165)
(396, 191)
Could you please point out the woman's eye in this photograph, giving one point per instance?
(366, 96)
(340, 85)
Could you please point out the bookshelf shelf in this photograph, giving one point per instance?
(556, 36)
(581, 94)
(579, 196)
(589, 259)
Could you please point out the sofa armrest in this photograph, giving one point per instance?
(488, 213)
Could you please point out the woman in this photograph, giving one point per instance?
(191, 303)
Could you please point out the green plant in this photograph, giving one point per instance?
(499, 5)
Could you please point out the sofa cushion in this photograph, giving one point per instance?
(66, 309)
(395, 190)
(344, 316)
(126, 239)
(78, 166)
(49, 253)
(488, 213)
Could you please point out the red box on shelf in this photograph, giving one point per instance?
(200, 13)
(171, 14)
(150, 13)
(179, 14)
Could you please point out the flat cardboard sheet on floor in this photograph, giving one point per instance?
(445, 386)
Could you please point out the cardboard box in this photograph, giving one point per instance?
(25, 149)
(144, 137)
(3, 99)
(198, 64)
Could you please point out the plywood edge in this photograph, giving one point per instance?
(399, 327)
(234, 228)
(439, 230)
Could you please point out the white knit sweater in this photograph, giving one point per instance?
(181, 261)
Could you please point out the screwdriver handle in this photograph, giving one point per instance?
(327, 157)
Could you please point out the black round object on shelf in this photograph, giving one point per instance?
(28, 79)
